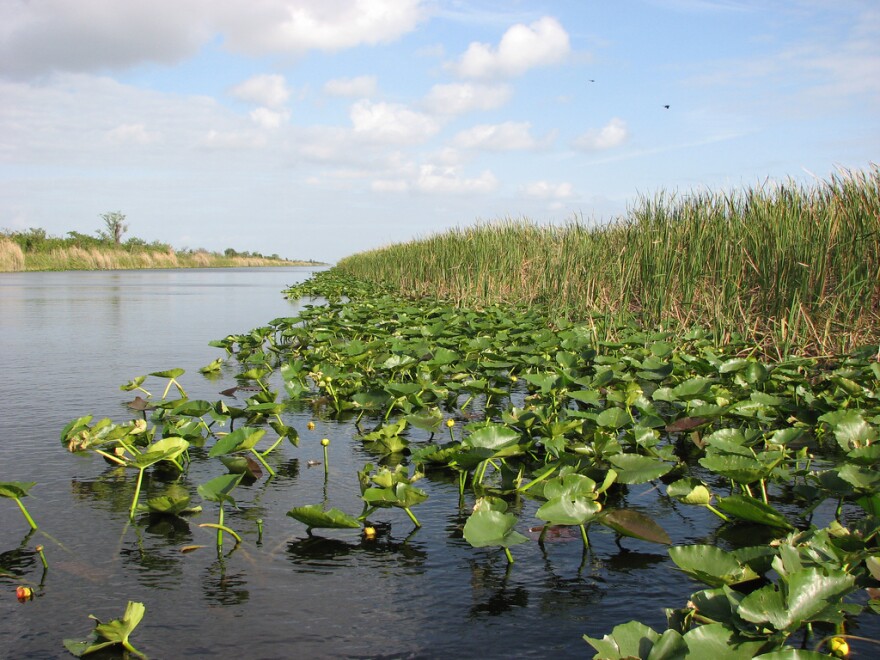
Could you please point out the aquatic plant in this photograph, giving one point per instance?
(112, 633)
(16, 490)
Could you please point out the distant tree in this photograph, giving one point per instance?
(230, 252)
(116, 227)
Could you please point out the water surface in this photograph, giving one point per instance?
(70, 339)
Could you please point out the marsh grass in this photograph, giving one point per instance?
(79, 258)
(11, 256)
(793, 268)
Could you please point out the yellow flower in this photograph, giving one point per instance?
(450, 423)
(369, 533)
(838, 647)
(325, 442)
(24, 594)
(310, 426)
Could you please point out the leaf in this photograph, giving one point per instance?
(312, 515)
(712, 565)
(635, 524)
(568, 511)
(170, 373)
(241, 439)
(175, 499)
(613, 418)
(753, 510)
(638, 469)
(741, 469)
(718, 642)
(486, 527)
(628, 640)
(109, 634)
(689, 491)
(15, 489)
(400, 495)
(218, 488)
(494, 436)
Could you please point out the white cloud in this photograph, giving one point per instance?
(88, 35)
(522, 47)
(266, 118)
(389, 185)
(508, 136)
(93, 35)
(133, 134)
(295, 26)
(391, 123)
(434, 179)
(232, 140)
(613, 134)
(269, 90)
(360, 87)
(459, 98)
(548, 190)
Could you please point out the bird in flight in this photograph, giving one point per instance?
(666, 106)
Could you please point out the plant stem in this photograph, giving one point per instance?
(262, 460)
(509, 556)
(26, 514)
(717, 513)
(137, 492)
(412, 517)
(584, 537)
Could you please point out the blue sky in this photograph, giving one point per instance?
(321, 128)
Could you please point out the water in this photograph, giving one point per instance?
(70, 339)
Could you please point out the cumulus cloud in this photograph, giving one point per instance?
(435, 179)
(522, 47)
(269, 90)
(266, 118)
(391, 123)
(359, 87)
(293, 26)
(613, 134)
(93, 35)
(548, 190)
(88, 35)
(508, 136)
(460, 98)
(133, 134)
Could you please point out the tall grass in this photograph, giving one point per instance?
(11, 256)
(793, 267)
(102, 258)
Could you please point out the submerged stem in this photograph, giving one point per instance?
(509, 556)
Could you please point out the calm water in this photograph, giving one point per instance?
(70, 339)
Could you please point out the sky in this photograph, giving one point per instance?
(316, 129)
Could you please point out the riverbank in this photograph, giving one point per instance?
(14, 259)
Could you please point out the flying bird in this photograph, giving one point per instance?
(666, 106)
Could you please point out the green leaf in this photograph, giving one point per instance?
(718, 642)
(15, 489)
(486, 527)
(628, 640)
(753, 510)
(175, 500)
(218, 488)
(689, 491)
(712, 565)
(170, 373)
(635, 524)
(494, 437)
(613, 418)
(568, 511)
(312, 515)
(109, 634)
(400, 495)
(241, 439)
(638, 469)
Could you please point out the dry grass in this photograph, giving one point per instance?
(11, 256)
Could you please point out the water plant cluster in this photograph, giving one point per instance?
(511, 403)
(788, 266)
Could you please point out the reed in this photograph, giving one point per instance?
(795, 268)
(11, 256)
